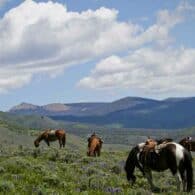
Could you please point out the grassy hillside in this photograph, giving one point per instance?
(112, 134)
(27, 170)
(20, 122)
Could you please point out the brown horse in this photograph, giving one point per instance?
(52, 135)
(94, 145)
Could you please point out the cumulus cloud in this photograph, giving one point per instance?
(149, 70)
(45, 37)
(146, 70)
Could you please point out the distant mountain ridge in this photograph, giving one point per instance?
(133, 112)
(80, 109)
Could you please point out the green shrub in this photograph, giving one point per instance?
(2, 170)
(6, 186)
(36, 152)
(116, 169)
(53, 156)
(85, 160)
(70, 158)
(91, 171)
(52, 180)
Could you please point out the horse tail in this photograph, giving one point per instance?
(130, 164)
(189, 170)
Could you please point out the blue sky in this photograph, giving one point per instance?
(95, 50)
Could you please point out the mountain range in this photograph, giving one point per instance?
(130, 112)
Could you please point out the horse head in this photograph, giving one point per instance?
(186, 143)
(130, 165)
(36, 143)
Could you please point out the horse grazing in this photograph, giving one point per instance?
(149, 156)
(188, 143)
(51, 135)
(94, 145)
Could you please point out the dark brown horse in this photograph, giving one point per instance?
(94, 145)
(188, 143)
(168, 155)
(51, 135)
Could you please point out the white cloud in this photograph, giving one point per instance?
(147, 71)
(46, 38)
(151, 70)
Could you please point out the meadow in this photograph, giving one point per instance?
(26, 170)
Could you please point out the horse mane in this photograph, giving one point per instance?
(182, 140)
(164, 140)
(40, 136)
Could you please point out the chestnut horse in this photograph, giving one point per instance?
(94, 145)
(170, 156)
(52, 135)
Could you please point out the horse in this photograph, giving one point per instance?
(170, 155)
(188, 144)
(51, 135)
(94, 145)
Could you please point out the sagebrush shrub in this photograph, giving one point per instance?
(6, 186)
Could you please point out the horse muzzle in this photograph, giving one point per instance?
(36, 145)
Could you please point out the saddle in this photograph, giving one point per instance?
(152, 145)
(149, 146)
(150, 152)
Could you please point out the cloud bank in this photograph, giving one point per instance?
(45, 38)
(146, 70)
(153, 70)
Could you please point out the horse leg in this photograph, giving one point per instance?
(47, 142)
(183, 177)
(64, 141)
(178, 176)
(184, 181)
(191, 155)
(179, 181)
(98, 151)
(60, 143)
(148, 175)
(95, 152)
